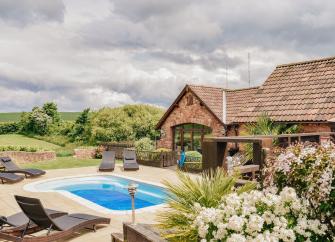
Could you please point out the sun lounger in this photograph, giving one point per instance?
(57, 228)
(108, 161)
(129, 160)
(9, 177)
(11, 167)
(17, 222)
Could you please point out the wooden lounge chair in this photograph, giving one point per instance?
(57, 228)
(129, 160)
(11, 167)
(15, 223)
(108, 161)
(9, 177)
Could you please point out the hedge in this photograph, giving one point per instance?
(9, 127)
(19, 148)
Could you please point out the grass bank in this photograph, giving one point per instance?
(21, 140)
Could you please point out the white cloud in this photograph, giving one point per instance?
(84, 53)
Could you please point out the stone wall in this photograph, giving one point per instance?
(183, 113)
(88, 153)
(27, 157)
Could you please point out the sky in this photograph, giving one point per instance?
(96, 53)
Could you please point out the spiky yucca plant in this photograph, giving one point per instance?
(207, 190)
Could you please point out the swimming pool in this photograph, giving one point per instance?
(106, 193)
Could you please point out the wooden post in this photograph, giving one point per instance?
(213, 154)
(256, 156)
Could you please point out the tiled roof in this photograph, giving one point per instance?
(303, 91)
(212, 97)
(235, 99)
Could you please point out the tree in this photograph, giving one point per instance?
(126, 123)
(35, 122)
(50, 109)
(82, 128)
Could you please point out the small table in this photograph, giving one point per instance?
(247, 169)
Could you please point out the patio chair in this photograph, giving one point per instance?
(108, 161)
(17, 222)
(129, 160)
(10, 178)
(57, 228)
(11, 167)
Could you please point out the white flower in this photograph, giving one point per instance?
(235, 223)
(268, 217)
(236, 238)
(288, 194)
(255, 223)
(243, 218)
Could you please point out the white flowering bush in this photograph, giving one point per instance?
(310, 169)
(259, 216)
(206, 191)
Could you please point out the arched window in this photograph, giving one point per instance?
(189, 136)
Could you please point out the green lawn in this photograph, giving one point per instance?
(21, 140)
(13, 117)
(64, 162)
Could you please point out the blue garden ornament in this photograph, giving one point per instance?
(181, 162)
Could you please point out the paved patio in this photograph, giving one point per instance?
(8, 205)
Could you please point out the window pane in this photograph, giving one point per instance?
(177, 140)
(187, 141)
(197, 141)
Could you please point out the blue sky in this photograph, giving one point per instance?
(95, 53)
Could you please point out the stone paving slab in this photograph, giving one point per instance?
(57, 201)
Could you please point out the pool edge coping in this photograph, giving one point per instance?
(30, 187)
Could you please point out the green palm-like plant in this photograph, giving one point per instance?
(206, 190)
(265, 126)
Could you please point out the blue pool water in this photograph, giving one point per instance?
(110, 192)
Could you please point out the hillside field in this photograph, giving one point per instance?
(13, 117)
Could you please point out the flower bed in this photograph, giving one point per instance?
(259, 216)
(310, 169)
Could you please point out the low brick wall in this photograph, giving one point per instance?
(117, 148)
(27, 157)
(88, 153)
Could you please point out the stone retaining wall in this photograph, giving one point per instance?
(88, 153)
(27, 157)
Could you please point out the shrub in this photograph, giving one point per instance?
(64, 153)
(9, 127)
(163, 150)
(265, 126)
(193, 156)
(258, 216)
(126, 123)
(40, 120)
(19, 148)
(310, 169)
(99, 151)
(207, 191)
(35, 122)
(62, 128)
(145, 144)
